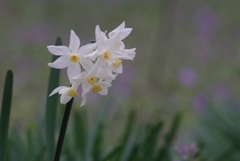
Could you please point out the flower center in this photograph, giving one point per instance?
(72, 92)
(74, 58)
(106, 55)
(117, 62)
(92, 80)
(96, 88)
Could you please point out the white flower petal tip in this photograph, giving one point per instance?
(74, 43)
(52, 93)
(56, 90)
(82, 104)
(84, 99)
(58, 50)
(97, 27)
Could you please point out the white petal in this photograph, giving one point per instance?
(56, 90)
(84, 98)
(64, 90)
(105, 84)
(86, 87)
(118, 70)
(125, 32)
(105, 72)
(130, 52)
(106, 75)
(113, 41)
(59, 63)
(95, 68)
(86, 49)
(119, 28)
(74, 43)
(80, 78)
(59, 50)
(93, 55)
(73, 70)
(100, 38)
(124, 55)
(86, 64)
(75, 86)
(104, 91)
(122, 45)
(64, 98)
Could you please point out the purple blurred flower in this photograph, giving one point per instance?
(206, 21)
(187, 77)
(200, 102)
(187, 153)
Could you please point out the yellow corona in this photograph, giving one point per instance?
(72, 92)
(96, 88)
(74, 59)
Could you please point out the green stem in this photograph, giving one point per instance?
(63, 130)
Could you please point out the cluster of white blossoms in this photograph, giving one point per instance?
(92, 66)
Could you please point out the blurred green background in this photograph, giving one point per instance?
(187, 55)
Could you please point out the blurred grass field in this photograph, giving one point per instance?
(187, 54)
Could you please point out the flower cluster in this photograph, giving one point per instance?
(187, 153)
(92, 66)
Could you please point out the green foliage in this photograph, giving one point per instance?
(141, 145)
(82, 144)
(163, 153)
(5, 114)
(30, 147)
(51, 108)
(219, 139)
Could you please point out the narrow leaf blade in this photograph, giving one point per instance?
(164, 151)
(51, 108)
(5, 114)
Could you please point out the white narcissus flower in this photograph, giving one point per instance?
(100, 87)
(66, 93)
(96, 80)
(111, 51)
(101, 62)
(71, 57)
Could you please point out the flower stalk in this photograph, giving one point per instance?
(63, 130)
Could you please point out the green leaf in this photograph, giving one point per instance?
(98, 142)
(134, 153)
(126, 134)
(129, 127)
(51, 108)
(111, 154)
(19, 150)
(129, 150)
(80, 132)
(5, 114)
(163, 153)
(40, 154)
(151, 140)
(94, 144)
